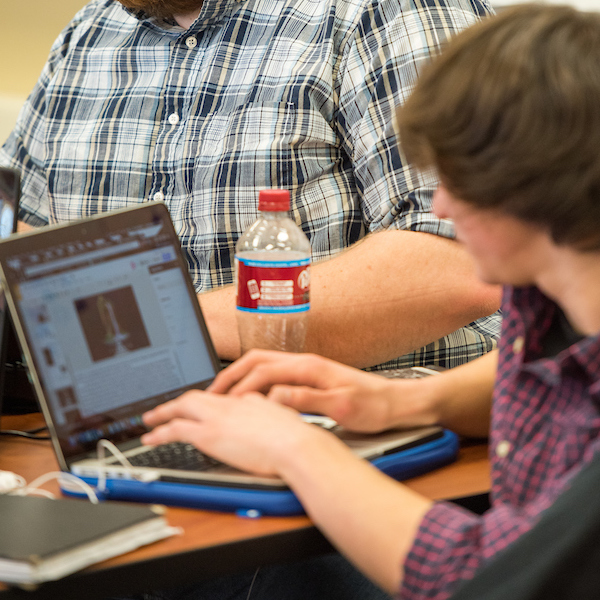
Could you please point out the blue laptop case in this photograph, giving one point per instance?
(254, 503)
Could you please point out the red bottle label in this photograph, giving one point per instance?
(273, 286)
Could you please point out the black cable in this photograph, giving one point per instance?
(37, 429)
(30, 434)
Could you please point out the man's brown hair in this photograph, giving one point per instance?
(509, 116)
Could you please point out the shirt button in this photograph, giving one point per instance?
(174, 119)
(518, 344)
(191, 42)
(502, 449)
(159, 196)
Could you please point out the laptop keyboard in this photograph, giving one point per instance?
(175, 456)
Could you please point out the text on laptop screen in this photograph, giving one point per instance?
(112, 328)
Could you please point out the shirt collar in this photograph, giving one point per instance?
(536, 311)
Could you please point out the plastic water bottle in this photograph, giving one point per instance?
(272, 262)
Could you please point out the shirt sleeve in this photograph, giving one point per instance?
(25, 148)
(453, 543)
(558, 558)
(391, 44)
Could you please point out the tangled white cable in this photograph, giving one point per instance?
(67, 480)
(11, 483)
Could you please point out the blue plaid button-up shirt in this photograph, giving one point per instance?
(296, 94)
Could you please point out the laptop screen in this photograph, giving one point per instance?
(9, 200)
(111, 321)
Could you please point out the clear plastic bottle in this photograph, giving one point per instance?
(272, 263)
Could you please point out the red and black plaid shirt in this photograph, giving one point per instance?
(545, 428)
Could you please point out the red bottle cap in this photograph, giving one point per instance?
(274, 200)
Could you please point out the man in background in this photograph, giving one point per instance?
(202, 104)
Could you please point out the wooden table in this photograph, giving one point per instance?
(212, 543)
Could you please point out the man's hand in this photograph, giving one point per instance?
(245, 431)
(312, 384)
(458, 398)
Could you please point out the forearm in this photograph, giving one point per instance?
(390, 294)
(374, 525)
(459, 399)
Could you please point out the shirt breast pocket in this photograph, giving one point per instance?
(247, 128)
(265, 144)
(261, 127)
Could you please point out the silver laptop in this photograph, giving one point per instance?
(110, 325)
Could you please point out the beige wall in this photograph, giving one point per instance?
(27, 30)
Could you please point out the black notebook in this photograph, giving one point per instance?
(43, 539)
